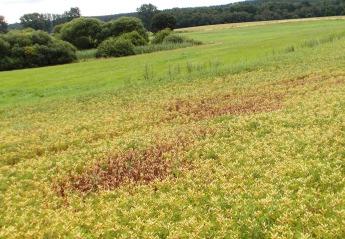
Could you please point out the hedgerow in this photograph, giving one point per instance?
(115, 47)
(160, 36)
(29, 48)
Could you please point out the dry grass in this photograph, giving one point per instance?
(224, 105)
(133, 166)
(256, 154)
(251, 24)
(266, 98)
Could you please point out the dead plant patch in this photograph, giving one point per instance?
(224, 105)
(132, 166)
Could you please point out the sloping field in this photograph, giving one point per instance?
(235, 48)
(242, 137)
(260, 23)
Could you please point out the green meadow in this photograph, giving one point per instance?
(240, 137)
(225, 46)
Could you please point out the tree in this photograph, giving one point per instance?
(74, 12)
(123, 25)
(146, 12)
(82, 32)
(47, 22)
(3, 25)
(67, 16)
(29, 48)
(160, 36)
(5, 48)
(35, 21)
(115, 47)
(135, 38)
(163, 20)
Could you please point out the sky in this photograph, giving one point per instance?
(14, 9)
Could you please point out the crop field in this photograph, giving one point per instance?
(241, 137)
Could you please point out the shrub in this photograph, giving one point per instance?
(6, 63)
(84, 42)
(115, 47)
(135, 38)
(164, 41)
(40, 37)
(124, 25)
(59, 52)
(5, 48)
(177, 39)
(57, 29)
(160, 47)
(174, 39)
(161, 35)
(24, 49)
(82, 32)
(19, 38)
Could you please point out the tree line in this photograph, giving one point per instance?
(255, 10)
(259, 10)
(40, 21)
(47, 22)
(34, 46)
(153, 19)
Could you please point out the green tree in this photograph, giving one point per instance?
(82, 32)
(123, 25)
(67, 16)
(74, 12)
(135, 38)
(160, 36)
(35, 21)
(3, 25)
(146, 12)
(162, 21)
(47, 22)
(29, 48)
(115, 47)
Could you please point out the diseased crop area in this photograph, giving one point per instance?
(241, 137)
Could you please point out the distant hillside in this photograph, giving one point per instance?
(254, 10)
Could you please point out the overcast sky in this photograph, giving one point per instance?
(14, 9)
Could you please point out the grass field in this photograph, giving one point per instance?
(242, 137)
(229, 47)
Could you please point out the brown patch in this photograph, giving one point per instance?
(132, 166)
(224, 105)
(316, 80)
(265, 98)
(300, 81)
(144, 166)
